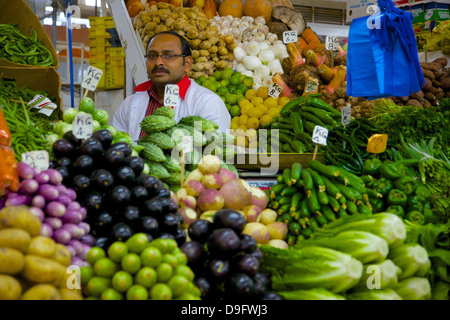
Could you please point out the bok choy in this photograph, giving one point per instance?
(375, 294)
(412, 258)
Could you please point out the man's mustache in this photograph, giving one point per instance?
(159, 69)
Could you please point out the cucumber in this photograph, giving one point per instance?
(276, 190)
(308, 183)
(291, 239)
(331, 216)
(313, 202)
(285, 218)
(303, 223)
(313, 224)
(323, 198)
(307, 233)
(363, 209)
(296, 171)
(284, 200)
(304, 209)
(294, 228)
(346, 191)
(280, 179)
(373, 194)
(323, 169)
(331, 188)
(284, 209)
(295, 201)
(367, 179)
(342, 213)
(295, 215)
(352, 209)
(289, 191)
(343, 202)
(317, 179)
(333, 203)
(321, 220)
(287, 177)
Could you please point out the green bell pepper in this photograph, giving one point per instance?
(377, 204)
(430, 217)
(415, 216)
(423, 193)
(391, 170)
(397, 210)
(407, 184)
(397, 197)
(383, 186)
(414, 203)
(371, 166)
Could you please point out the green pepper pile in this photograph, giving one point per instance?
(19, 48)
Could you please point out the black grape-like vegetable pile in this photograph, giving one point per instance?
(120, 198)
(225, 261)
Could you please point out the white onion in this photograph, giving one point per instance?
(262, 71)
(267, 81)
(275, 66)
(247, 73)
(240, 68)
(239, 53)
(253, 48)
(251, 62)
(266, 55)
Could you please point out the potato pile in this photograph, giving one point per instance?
(211, 51)
(32, 267)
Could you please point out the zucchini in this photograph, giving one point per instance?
(285, 200)
(352, 208)
(313, 202)
(276, 190)
(295, 201)
(298, 146)
(280, 179)
(304, 209)
(287, 177)
(295, 215)
(307, 232)
(363, 209)
(295, 228)
(303, 223)
(291, 239)
(342, 213)
(313, 224)
(289, 191)
(323, 198)
(321, 220)
(284, 209)
(333, 203)
(346, 191)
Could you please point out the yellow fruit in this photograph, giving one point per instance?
(43, 270)
(242, 102)
(253, 123)
(243, 119)
(243, 127)
(42, 246)
(15, 238)
(10, 288)
(42, 292)
(257, 100)
(273, 112)
(253, 144)
(262, 92)
(234, 125)
(251, 93)
(263, 108)
(270, 102)
(68, 294)
(62, 255)
(265, 119)
(251, 134)
(12, 261)
(255, 113)
(246, 107)
(241, 142)
(283, 100)
(239, 132)
(19, 217)
(235, 119)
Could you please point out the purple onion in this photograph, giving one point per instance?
(75, 231)
(11, 194)
(65, 200)
(82, 255)
(48, 191)
(88, 239)
(46, 230)
(55, 176)
(55, 209)
(83, 212)
(74, 205)
(85, 226)
(25, 171)
(71, 193)
(77, 261)
(62, 189)
(55, 223)
(71, 250)
(18, 200)
(38, 201)
(72, 216)
(28, 186)
(62, 236)
(37, 212)
(42, 178)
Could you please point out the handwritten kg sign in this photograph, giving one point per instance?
(275, 90)
(171, 95)
(82, 126)
(377, 143)
(331, 43)
(346, 115)
(92, 78)
(320, 135)
(38, 159)
(290, 36)
(311, 86)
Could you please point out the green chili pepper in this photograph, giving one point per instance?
(371, 166)
(377, 204)
(397, 210)
(391, 170)
(397, 197)
(414, 203)
(415, 216)
(407, 184)
(423, 193)
(383, 186)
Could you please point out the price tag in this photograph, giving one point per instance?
(331, 43)
(290, 36)
(377, 143)
(187, 144)
(275, 90)
(90, 81)
(311, 86)
(346, 115)
(171, 95)
(43, 104)
(37, 159)
(82, 126)
(320, 135)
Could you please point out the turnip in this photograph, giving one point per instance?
(226, 175)
(235, 194)
(267, 216)
(28, 186)
(194, 175)
(251, 212)
(208, 215)
(38, 201)
(181, 193)
(277, 230)
(212, 181)
(188, 201)
(209, 164)
(210, 199)
(259, 198)
(194, 188)
(258, 231)
(25, 171)
(281, 244)
(189, 215)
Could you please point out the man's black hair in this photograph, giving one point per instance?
(185, 46)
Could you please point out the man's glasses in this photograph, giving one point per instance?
(164, 56)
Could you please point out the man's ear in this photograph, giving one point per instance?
(187, 64)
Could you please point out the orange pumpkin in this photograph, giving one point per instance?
(134, 8)
(258, 8)
(210, 8)
(234, 8)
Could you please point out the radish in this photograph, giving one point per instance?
(258, 231)
(226, 175)
(277, 230)
(25, 171)
(188, 201)
(189, 215)
(194, 188)
(235, 194)
(28, 186)
(251, 212)
(267, 216)
(281, 244)
(194, 175)
(210, 199)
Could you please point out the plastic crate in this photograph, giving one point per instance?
(99, 56)
(113, 76)
(117, 52)
(95, 41)
(106, 22)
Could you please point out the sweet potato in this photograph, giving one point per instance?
(426, 104)
(445, 83)
(440, 74)
(418, 96)
(441, 61)
(431, 66)
(414, 102)
(436, 83)
(428, 74)
(427, 85)
(429, 96)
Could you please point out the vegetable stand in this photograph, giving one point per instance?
(183, 214)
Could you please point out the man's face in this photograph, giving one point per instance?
(166, 71)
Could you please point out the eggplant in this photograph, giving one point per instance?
(164, 193)
(149, 225)
(65, 174)
(93, 201)
(103, 224)
(135, 163)
(114, 158)
(64, 161)
(271, 296)
(169, 223)
(104, 136)
(166, 235)
(81, 183)
(194, 251)
(53, 164)
(229, 218)
(125, 175)
(200, 230)
(92, 147)
(63, 148)
(204, 285)
(123, 146)
(121, 232)
(131, 215)
(70, 136)
(248, 264)
(139, 194)
(102, 179)
(120, 195)
(102, 242)
(84, 164)
(219, 268)
(223, 242)
(146, 180)
(180, 236)
(248, 243)
(152, 207)
(167, 205)
(241, 285)
(149, 237)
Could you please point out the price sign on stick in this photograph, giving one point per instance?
(377, 143)
(320, 136)
(346, 115)
(186, 147)
(275, 90)
(171, 95)
(311, 86)
(91, 79)
(38, 159)
(331, 43)
(290, 36)
(82, 126)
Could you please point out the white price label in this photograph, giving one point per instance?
(90, 81)
(311, 86)
(187, 144)
(43, 104)
(320, 135)
(346, 115)
(331, 43)
(82, 126)
(171, 95)
(290, 36)
(275, 90)
(38, 159)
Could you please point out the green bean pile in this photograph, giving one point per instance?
(19, 48)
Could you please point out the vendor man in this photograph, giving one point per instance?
(168, 62)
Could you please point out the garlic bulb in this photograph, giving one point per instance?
(260, 20)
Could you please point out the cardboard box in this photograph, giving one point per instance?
(429, 19)
(19, 13)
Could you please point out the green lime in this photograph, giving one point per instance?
(137, 292)
(239, 98)
(222, 90)
(105, 267)
(170, 259)
(212, 87)
(131, 263)
(218, 75)
(146, 277)
(248, 81)
(227, 73)
(206, 83)
(164, 245)
(94, 254)
(202, 78)
(161, 291)
(185, 271)
(86, 273)
(228, 106)
(111, 294)
(231, 98)
(117, 250)
(122, 281)
(232, 88)
(244, 87)
(187, 296)
(225, 82)
(238, 92)
(86, 105)
(164, 272)
(137, 242)
(178, 284)
(235, 80)
(181, 257)
(221, 97)
(96, 286)
(235, 111)
(151, 257)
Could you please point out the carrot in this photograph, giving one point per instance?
(301, 43)
(9, 178)
(312, 46)
(5, 134)
(309, 36)
(335, 83)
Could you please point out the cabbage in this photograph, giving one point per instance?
(412, 258)
(69, 115)
(101, 116)
(311, 294)
(414, 288)
(375, 294)
(378, 276)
